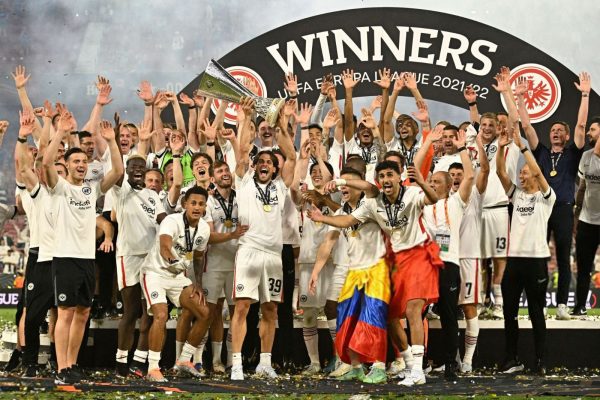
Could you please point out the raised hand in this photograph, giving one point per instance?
(227, 134)
(399, 82)
(106, 130)
(314, 213)
(198, 99)
(422, 115)
(48, 111)
(376, 103)
(210, 130)
(585, 83)
(436, 135)
(186, 100)
(144, 132)
(170, 96)
(289, 108)
(101, 82)
(247, 106)
(470, 94)
(331, 119)
(19, 77)
(414, 175)
(291, 83)
(305, 150)
(327, 84)
(3, 127)
(384, 79)
(521, 86)
(305, 113)
(367, 119)
(503, 84)
(460, 140)
(145, 92)
(103, 97)
(410, 80)
(504, 139)
(348, 79)
(505, 72)
(177, 144)
(38, 112)
(27, 123)
(160, 100)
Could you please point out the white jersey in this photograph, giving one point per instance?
(443, 220)
(444, 162)
(174, 226)
(470, 226)
(365, 240)
(529, 222)
(107, 163)
(74, 219)
(340, 252)
(291, 222)
(264, 221)
(136, 211)
(229, 155)
(31, 214)
(313, 234)
(409, 154)
(95, 172)
(589, 169)
(494, 192)
(221, 256)
(368, 154)
(43, 205)
(164, 199)
(406, 230)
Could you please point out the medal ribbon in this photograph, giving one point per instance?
(393, 217)
(189, 242)
(227, 209)
(555, 159)
(409, 154)
(445, 212)
(265, 195)
(348, 210)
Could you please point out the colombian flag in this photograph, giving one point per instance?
(362, 314)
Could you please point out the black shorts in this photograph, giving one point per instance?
(39, 285)
(74, 281)
(29, 271)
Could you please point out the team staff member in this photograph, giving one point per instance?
(258, 268)
(444, 219)
(75, 240)
(528, 253)
(180, 241)
(588, 213)
(559, 166)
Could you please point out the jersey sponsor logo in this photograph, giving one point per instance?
(148, 210)
(179, 248)
(82, 205)
(249, 78)
(154, 295)
(543, 90)
(400, 224)
(62, 297)
(86, 190)
(30, 286)
(592, 178)
(526, 211)
(272, 201)
(239, 287)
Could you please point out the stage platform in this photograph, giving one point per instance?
(520, 386)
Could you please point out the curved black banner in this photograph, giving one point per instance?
(445, 51)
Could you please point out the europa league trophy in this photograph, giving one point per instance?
(218, 83)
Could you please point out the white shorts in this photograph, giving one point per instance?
(337, 282)
(471, 282)
(128, 270)
(258, 276)
(495, 232)
(157, 288)
(218, 284)
(307, 300)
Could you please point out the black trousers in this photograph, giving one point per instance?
(531, 275)
(588, 239)
(32, 257)
(40, 297)
(561, 225)
(107, 268)
(447, 307)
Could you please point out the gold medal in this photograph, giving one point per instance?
(354, 233)
(267, 207)
(553, 172)
(188, 256)
(228, 223)
(318, 223)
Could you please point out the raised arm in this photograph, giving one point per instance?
(242, 159)
(415, 176)
(503, 141)
(116, 160)
(287, 148)
(410, 81)
(3, 128)
(388, 113)
(471, 98)
(192, 136)
(177, 146)
(484, 166)
(503, 87)
(317, 115)
(349, 83)
(530, 133)
(464, 190)
(421, 154)
(64, 129)
(160, 103)
(584, 86)
(145, 94)
(202, 116)
(21, 78)
(534, 168)
(300, 173)
(179, 120)
(362, 185)
(384, 83)
(24, 163)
